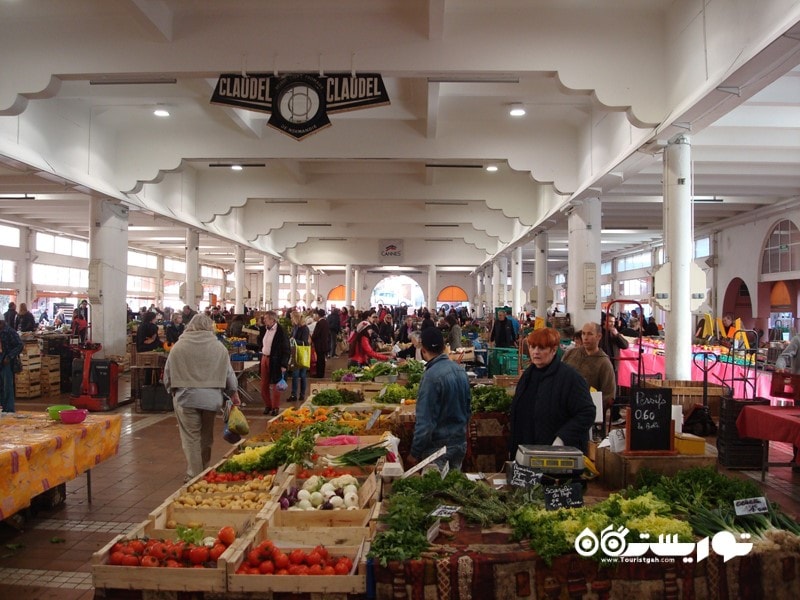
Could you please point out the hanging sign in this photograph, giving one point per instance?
(390, 251)
(299, 104)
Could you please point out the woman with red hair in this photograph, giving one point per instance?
(552, 405)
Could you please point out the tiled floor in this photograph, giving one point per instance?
(51, 556)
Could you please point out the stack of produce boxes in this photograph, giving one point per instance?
(50, 376)
(27, 384)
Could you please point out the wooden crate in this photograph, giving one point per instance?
(619, 471)
(688, 393)
(151, 360)
(354, 583)
(165, 579)
(27, 384)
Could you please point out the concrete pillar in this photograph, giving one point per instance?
(294, 298)
(159, 281)
(516, 281)
(432, 288)
(24, 276)
(238, 275)
(108, 275)
(540, 273)
(348, 286)
(583, 282)
(478, 294)
(488, 285)
(193, 290)
(308, 296)
(358, 284)
(271, 282)
(678, 247)
(498, 284)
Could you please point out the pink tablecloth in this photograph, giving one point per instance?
(719, 374)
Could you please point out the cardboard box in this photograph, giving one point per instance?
(618, 470)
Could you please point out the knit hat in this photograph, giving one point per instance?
(361, 326)
(432, 339)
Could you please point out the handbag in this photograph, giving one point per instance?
(302, 357)
(237, 422)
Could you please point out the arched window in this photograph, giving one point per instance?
(337, 294)
(782, 250)
(452, 293)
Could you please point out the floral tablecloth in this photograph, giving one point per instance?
(37, 453)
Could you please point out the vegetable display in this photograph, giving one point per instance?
(393, 393)
(490, 398)
(192, 549)
(413, 370)
(317, 493)
(267, 559)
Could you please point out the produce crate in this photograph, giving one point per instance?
(168, 515)
(487, 442)
(353, 583)
(153, 360)
(618, 471)
(338, 450)
(27, 384)
(688, 393)
(31, 356)
(209, 579)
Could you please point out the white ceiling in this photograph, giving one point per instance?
(606, 84)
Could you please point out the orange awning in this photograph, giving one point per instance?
(337, 294)
(452, 293)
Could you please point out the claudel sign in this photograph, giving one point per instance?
(299, 104)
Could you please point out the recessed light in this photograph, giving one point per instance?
(492, 168)
(517, 110)
(161, 112)
(236, 167)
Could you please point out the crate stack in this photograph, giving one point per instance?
(736, 452)
(50, 376)
(27, 383)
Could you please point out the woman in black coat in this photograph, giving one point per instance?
(273, 342)
(147, 333)
(552, 405)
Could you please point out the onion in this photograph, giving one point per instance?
(285, 503)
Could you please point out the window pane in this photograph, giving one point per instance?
(8, 271)
(63, 246)
(45, 242)
(9, 236)
(80, 249)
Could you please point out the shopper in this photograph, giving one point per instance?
(427, 321)
(10, 347)
(197, 373)
(334, 327)
(405, 329)
(503, 335)
(273, 342)
(25, 320)
(788, 360)
(453, 333)
(10, 316)
(611, 342)
(443, 405)
(175, 328)
(552, 405)
(386, 328)
(301, 337)
(592, 363)
(651, 328)
(146, 333)
(320, 339)
(361, 350)
(414, 349)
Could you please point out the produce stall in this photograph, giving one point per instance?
(37, 453)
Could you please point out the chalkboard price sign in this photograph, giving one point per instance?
(650, 426)
(568, 495)
(521, 476)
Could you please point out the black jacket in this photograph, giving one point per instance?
(321, 338)
(550, 403)
(503, 334)
(279, 353)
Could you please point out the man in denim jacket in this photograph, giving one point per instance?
(443, 405)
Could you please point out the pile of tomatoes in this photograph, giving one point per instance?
(267, 559)
(327, 472)
(170, 553)
(214, 476)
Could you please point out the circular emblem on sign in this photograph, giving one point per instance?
(299, 103)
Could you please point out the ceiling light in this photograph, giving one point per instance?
(236, 167)
(517, 110)
(492, 168)
(161, 112)
(707, 199)
(17, 197)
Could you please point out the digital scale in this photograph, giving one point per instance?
(550, 459)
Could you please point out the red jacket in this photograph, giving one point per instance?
(363, 352)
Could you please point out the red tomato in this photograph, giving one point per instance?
(198, 555)
(150, 561)
(242, 570)
(117, 547)
(130, 560)
(216, 552)
(254, 558)
(137, 546)
(294, 569)
(328, 570)
(253, 571)
(281, 560)
(116, 558)
(315, 570)
(267, 547)
(175, 551)
(346, 561)
(159, 550)
(227, 535)
(313, 558)
(302, 570)
(297, 557)
(341, 568)
(267, 567)
(281, 572)
(173, 564)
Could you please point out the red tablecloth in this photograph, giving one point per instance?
(719, 374)
(773, 423)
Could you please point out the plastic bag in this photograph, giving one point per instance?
(281, 385)
(237, 422)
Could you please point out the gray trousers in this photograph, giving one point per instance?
(196, 427)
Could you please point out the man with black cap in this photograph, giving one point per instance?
(443, 405)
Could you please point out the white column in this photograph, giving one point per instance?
(478, 293)
(294, 299)
(583, 284)
(308, 296)
(108, 274)
(497, 285)
(516, 281)
(159, 281)
(238, 275)
(193, 290)
(488, 285)
(348, 285)
(540, 273)
(432, 288)
(678, 245)
(272, 267)
(358, 284)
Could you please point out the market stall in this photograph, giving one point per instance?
(770, 423)
(38, 453)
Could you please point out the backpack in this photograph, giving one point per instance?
(699, 422)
